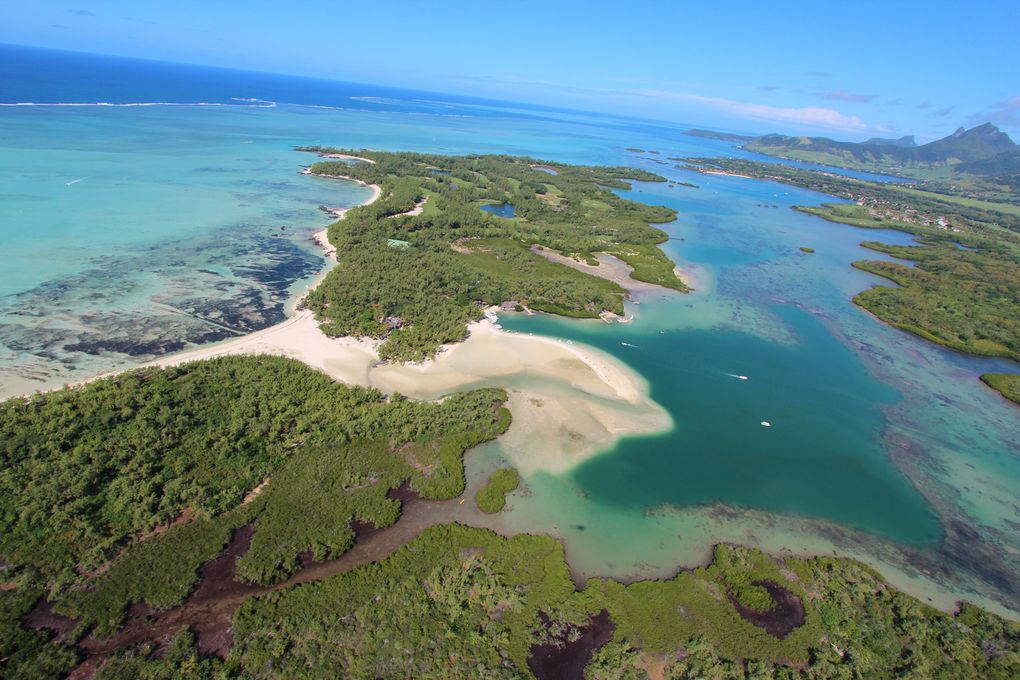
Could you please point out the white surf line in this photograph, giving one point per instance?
(267, 105)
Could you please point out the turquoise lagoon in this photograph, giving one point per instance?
(129, 232)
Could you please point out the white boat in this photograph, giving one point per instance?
(766, 423)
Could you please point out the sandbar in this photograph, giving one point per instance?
(616, 270)
(347, 157)
(569, 401)
(724, 173)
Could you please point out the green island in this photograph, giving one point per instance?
(228, 519)
(455, 258)
(962, 286)
(491, 498)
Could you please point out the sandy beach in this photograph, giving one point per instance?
(695, 277)
(725, 174)
(616, 270)
(569, 401)
(348, 157)
(374, 187)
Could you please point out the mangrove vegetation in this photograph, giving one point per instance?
(117, 498)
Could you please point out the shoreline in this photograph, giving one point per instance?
(723, 173)
(346, 178)
(355, 360)
(577, 399)
(569, 402)
(612, 268)
(296, 321)
(296, 325)
(347, 157)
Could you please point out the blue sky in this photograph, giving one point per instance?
(848, 70)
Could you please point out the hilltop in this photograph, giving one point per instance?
(907, 140)
(963, 146)
(982, 162)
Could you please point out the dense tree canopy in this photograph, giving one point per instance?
(459, 257)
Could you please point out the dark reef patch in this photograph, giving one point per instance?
(151, 301)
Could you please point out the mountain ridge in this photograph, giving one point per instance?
(979, 143)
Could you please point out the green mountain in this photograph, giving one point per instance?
(725, 136)
(883, 155)
(902, 141)
(979, 143)
(1006, 163)
(1001, 170)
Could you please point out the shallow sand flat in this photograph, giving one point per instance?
(489, 353)
(616, 270)
(568, 402)
(555, 430)
(299, 337)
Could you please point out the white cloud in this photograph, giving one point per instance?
(1005, 113)
(844, 96)
(810, 115)
(652, 101)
